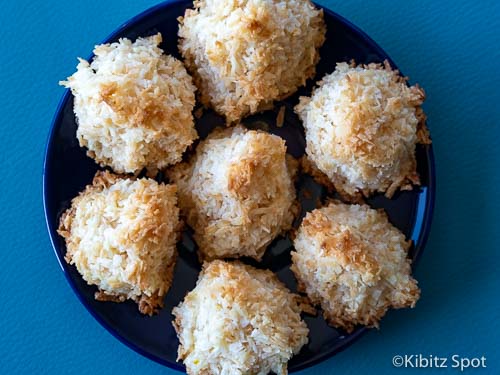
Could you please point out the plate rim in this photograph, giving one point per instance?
(52, 231)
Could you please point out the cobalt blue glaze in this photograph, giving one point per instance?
(67, 170)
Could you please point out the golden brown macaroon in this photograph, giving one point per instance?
(362, 125)
(238, 320)
(236, 192)
(245, 54)
(350, 260)
(133, 105)
(121, 235)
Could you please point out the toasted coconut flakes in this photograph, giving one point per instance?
(198, 113)
(280, 119)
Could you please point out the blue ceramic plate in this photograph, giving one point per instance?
(67, 170)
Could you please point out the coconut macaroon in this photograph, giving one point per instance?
(133, 106)
(238, 320)
(245, 54)
(362, 124)
(236, 192)
(350, 260)
(121, 235)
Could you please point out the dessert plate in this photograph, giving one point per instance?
(67, 170)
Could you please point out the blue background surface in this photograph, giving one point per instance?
(452, 48)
